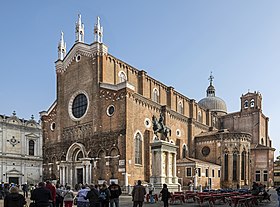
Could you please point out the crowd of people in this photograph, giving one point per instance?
(46, 194)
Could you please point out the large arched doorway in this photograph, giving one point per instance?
(76, 168)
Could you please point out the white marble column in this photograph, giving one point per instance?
(64, 175)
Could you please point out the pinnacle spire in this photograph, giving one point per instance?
(98, 31)
(61, 47)
(80, 29)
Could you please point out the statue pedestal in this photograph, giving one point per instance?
(164, 166)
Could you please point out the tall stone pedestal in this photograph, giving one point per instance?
(164, 166)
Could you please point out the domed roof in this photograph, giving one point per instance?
(212, 102)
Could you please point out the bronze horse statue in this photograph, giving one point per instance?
(159, 127)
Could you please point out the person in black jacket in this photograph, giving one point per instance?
(93, 196)
(14, 199)
(115, 191)
(104, 195)
(41, 195)
(165, 195)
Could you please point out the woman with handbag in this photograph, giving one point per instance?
(14, 199)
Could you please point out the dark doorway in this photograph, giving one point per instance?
(80, 175)
(13, 180)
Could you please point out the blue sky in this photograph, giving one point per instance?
(177, 42)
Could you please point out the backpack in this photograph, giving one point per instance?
(102, 196)
(68, 195)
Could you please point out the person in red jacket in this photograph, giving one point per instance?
(52, 188)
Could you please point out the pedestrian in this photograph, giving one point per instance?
(93, 196)
(24, 187)
(14, 199)
(68, 197)
(165, 195)
(41, 195)
(6, 189)
(151, 189)
(2, 190)
(81, 197)
(278, 193)
(138, 194)
(104, 195)
(59, 197)
(52, 188)
(115, 191)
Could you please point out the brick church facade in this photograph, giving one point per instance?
(100, 125)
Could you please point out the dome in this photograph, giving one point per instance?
(213, 103)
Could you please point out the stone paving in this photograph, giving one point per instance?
(125, 201)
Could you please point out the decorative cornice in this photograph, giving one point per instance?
(117, 87)
(95, 49)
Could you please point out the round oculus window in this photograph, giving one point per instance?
(79, 106)
(147, 122)
(52, 126)
(78, 58)
(110, 110)
(205, 151)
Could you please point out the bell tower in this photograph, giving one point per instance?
(251, 101)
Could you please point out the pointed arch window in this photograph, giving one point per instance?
(243, 165)
(155, 96)
(199, 117)
(184, 151)
(234, 166)
(31, 145)
(180, 107)
(226, 166)
(122, 77)
(138, 148)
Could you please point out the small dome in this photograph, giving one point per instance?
(213, 103)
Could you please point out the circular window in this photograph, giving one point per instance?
(147, 123)
(205, 151)
(178, 132)
(78, 105)
(52, 126)
(78, 58)
(110, 110)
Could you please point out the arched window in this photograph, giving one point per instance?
(184, 151)
(226, 166)
(122, 77)
(243, 165)
(246, 104)
(252, 103)
(155, 96)
(31, 145)
(180, 107)
(138, 148)
(262, 141)
(199, 117)
(234, 166)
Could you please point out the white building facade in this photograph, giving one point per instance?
(20, 150)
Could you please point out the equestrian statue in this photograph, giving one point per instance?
(159, 127)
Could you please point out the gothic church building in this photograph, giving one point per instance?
(100, 125)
